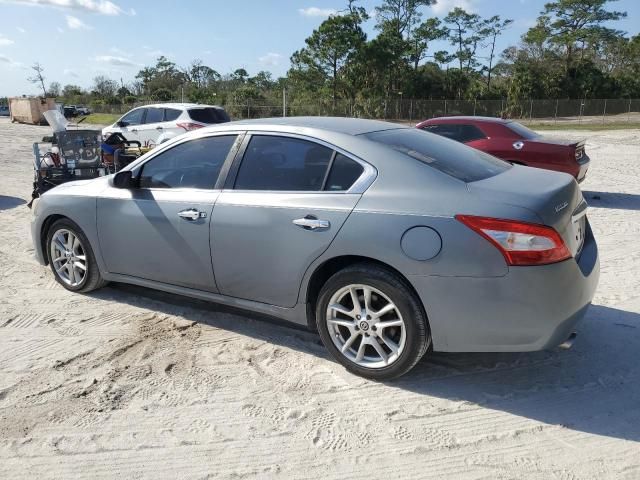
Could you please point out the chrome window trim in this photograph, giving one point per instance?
(364, 181)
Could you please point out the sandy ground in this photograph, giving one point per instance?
(130, 383)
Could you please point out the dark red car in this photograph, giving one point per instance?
(513, 142)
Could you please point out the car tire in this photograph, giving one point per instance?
(68, 250)
(337, 320)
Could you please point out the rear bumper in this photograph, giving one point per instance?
(530, 308)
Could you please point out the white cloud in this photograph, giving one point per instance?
(270, 59)
(101, 7)
(4, 41)
(117, 61)
(71, 73)
(317, 12)
(442, 7)
(21, 30)
(59, 29)
(74, 23)
(4, 60)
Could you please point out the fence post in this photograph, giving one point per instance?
(445, 107)
(555, 115)
(530, 109)
(581, 107)
(604, 111)
(629, 112)
(475, 100)
(248, 108)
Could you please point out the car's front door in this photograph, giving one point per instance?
(160, 229)
(282, 206)
(131, 124)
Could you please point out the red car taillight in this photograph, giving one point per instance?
(520, 243)
(189, 126)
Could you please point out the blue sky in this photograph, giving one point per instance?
(75, 40)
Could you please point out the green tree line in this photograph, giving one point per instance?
(571, 52)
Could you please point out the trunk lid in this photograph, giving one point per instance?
(554, 197)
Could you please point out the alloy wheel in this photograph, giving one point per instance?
(68, 257)
(366, 326)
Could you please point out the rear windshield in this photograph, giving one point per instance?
(448, 156)
(523, 131)
(209, 115)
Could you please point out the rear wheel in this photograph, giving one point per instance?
(371, 322)
(71, 259)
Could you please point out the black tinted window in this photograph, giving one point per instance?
(171, 114)
(193, 164)
(209, 115)
(281, 163)
(469, 133)
(344, 172)
(446, 130)
(452, 158)
(154, 115)
(134, 117)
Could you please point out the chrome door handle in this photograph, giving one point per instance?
(134, 130)
(159, 128)
(192, 214)
(311, 223)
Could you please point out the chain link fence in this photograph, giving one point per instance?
(618, 110)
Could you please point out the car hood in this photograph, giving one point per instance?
(81, 187)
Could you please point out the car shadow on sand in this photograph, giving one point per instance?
(620, 201)
(593, 387)
(7, 203)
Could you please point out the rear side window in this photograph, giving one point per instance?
(458, 161)
(171, 114)
(344, 172)
(284, 164)
(193, 164)
(154, 115)
(209, 115)
(469, 133)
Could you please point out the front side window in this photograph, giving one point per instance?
(193, 164)
(134, 117)
(283, 164)
(154, 115)
(454, 159)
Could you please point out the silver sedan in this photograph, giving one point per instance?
(389, 241)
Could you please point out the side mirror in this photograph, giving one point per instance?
(123, 179)
(122, 123)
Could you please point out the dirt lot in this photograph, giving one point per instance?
(130, 383)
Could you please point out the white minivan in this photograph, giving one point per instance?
(148, 123)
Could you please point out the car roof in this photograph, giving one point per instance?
(470, 119)
(178, 105)
(348, 126)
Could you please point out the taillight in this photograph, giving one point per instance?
(520, 243)
(189, 126)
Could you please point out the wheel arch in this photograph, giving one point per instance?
(333, 265)
(44, 231)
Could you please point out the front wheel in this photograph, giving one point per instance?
(372, 322)
(71, 259)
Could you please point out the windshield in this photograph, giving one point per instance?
(523, 131)
(448, 156)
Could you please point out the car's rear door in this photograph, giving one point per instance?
(153, 126)
(285, 200)
(160, 230)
